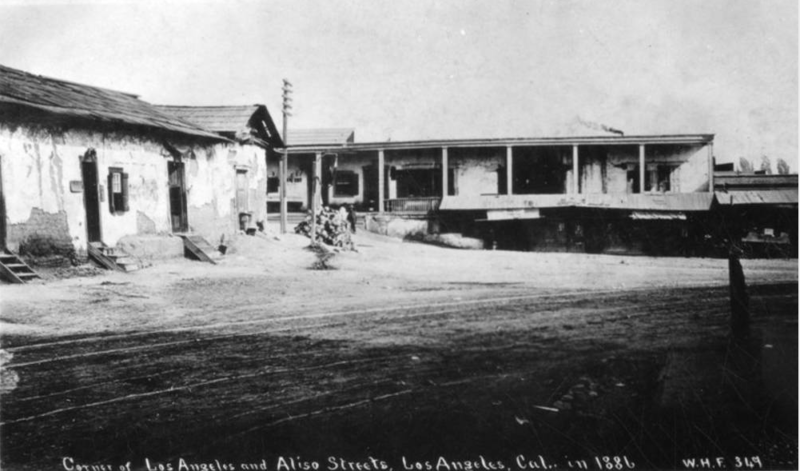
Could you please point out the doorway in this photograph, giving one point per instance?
(91, 195)
(177, 196)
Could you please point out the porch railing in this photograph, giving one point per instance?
(412, 205)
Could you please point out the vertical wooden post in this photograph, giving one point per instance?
(282, 172)
(509, 170)
(315, 195)
(381, 183)
(641, 169)
(576, 184)
(711, 167)
(445, 176)
(740, 301)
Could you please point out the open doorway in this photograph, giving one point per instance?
(91, 195)
(177, 196)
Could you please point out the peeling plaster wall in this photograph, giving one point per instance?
(476, 170)
(145, 163)
(591, 174)
(691, 163)
(38, 166)
(211, 188)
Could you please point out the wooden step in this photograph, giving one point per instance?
(112, 258)
(197, 247)
(13, 269)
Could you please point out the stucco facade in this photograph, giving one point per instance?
(42, 183)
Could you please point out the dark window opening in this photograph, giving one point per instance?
(345, 184)
(273, 184)
(117, 190)
(502, 180)
(633, 180)
(541, 171)
(419, 182)
(657, 178)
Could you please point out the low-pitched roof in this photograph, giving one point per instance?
(749, 181)
(758, 197)
(62, 98)
(320, 137)
(641, 202)
(230, 121)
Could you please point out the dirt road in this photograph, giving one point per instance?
(405, 354)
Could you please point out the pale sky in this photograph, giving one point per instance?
(410, 70)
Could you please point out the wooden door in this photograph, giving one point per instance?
(177, 197)
(242, 205)
(91, 195)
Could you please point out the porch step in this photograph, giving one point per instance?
(13, 269)
(197, 247)
(112, 258)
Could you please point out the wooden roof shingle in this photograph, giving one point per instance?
(229, 120)
(72, 100)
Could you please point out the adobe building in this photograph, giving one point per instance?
(599, 194)
(82, 165)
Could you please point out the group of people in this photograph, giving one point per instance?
(348, 213)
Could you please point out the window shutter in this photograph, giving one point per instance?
(111, 193)
(125, 192)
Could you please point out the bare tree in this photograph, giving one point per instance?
(783, 167)
(745, 166)
(766, 165)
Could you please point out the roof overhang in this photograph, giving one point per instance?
(676, 139)
(757, 197)
(631, 202)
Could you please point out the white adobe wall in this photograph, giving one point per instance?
(476, 170)
(38, 166)
(691, 162)
(211, 188)
(591, 174)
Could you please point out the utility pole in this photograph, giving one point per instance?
(284, 167)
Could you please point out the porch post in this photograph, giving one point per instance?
(282, 172)
(641, 168)
(316, 180)
(381, 183)
(509, 170)
(711, 167)
(576, 186)
(445, 176)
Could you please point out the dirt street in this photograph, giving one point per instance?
(403, 356)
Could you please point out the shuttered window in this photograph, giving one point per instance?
(117, 190)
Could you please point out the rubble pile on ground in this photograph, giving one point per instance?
(78, 271)
(332, 228)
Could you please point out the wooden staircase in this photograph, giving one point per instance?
(112, 258)
(13, 269)
(197, 247)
